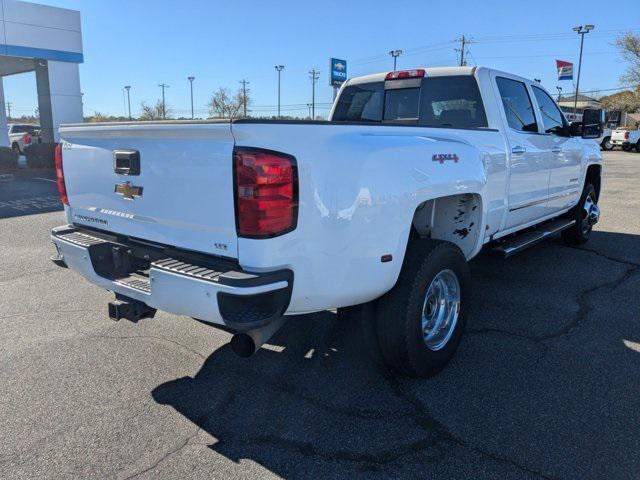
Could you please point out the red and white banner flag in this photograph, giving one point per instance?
(565, 70)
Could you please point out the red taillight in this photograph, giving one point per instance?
(626, 135)
(401, 74)
(266, 188)
(26, 139)
(62, 189)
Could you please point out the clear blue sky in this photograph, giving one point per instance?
(143, 43)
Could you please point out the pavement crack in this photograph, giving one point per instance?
(584, 307)
(177, 448)
(605, 256)
(152, 337)
(427, 422)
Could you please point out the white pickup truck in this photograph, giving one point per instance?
(626, 139)
(375, 212)
(22, 135)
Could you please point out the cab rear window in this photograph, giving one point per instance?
(452, 101)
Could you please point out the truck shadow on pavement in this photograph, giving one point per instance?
(546, 352)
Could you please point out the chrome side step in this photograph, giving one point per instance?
(513, 245)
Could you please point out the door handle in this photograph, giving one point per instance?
(556, 150)
(518, 150)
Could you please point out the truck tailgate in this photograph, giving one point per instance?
(182, 196)
(619, 135)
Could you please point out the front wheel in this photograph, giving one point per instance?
(606, 144)
(638, 146)
(586, 215)
(419, 322)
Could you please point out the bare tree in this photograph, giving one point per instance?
(629, 46)
(99, 117)
(225, 105)
(154, 112)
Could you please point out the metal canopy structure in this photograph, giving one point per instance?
(48, 41)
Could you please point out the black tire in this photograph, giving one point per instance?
(399, 312)
(579, 233)
(606, 144)
(16, 148)
(638, 146)
(626, 148)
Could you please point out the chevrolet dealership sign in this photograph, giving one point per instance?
(338, 69)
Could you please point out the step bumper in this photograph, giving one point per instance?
(204, 287)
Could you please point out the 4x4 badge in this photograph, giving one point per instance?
(128, 191)
(442, 157)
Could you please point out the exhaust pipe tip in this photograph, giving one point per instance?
(243, 345)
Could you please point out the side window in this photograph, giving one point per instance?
(552, 119)
(517, 105)
(360, 103)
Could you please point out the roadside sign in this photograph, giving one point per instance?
(338, 69)
(565, 70)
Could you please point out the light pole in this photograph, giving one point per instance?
(127, 88)
(279, 68)
(559, 88)
(164, 109)
(580, 30)
(191, 79)
(395, 54)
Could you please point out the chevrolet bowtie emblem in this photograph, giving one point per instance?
(128, 191)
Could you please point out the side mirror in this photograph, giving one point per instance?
(575, 129)
(592, 122)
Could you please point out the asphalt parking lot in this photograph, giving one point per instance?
(546, 383)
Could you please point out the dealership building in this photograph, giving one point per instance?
(48, 41)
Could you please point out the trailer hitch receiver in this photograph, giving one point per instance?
(130, 309)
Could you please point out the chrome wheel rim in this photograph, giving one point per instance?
(590, 214)
(608, 145)
(441, 310)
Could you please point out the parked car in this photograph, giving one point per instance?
(375, 212)
(626, 139)
(21, 135)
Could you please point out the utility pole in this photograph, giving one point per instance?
(279, 68)
(244, 96)
(9, 110)
(164, 109)
(127, 88)
(309, 107)
(395, 54)
(559, 92)
(580, 30)
(314, 75)
(464, 41)
(191, 79)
